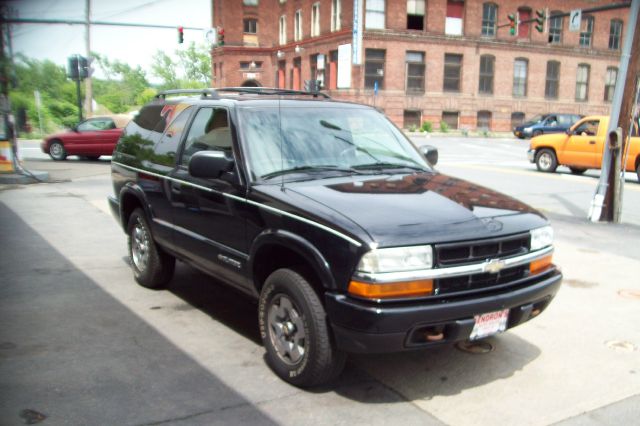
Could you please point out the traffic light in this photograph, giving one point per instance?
(220, 36)
(180, 35)
(514, 20)
(72, 68)
(84, 67)
(540, 17)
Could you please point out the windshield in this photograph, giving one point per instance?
(295, 140)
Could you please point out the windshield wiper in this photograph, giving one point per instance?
(318, 168)
(384, 165)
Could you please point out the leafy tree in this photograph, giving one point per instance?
(192, 69)
(124, 84)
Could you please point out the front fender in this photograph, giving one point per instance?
(300, 246)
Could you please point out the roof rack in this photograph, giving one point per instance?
(215, 93)
(205, 93)
(272, 91)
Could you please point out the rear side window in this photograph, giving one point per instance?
(165, 150)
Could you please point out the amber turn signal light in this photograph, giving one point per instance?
(391, 290)
(540, 265)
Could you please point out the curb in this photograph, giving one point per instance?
(28, 177)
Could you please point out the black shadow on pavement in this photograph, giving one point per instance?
(73, 354)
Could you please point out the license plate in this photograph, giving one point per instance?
(489, 324)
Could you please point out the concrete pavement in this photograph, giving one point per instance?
(83, 344)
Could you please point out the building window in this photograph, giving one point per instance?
(415, 15)
(374, 15)
(374, 68)
(250, 26)
(520, 77)
(587, 31)
(250, 65)
(297, 26)
(610, 83)
(317, 66)
(551, 83)
(582, 82)
(615, 31)
(411, 119)
(250, 2)
(485, 85)
(489, 17)
(453, 24)
(517, 118)
(452, 71)
(415, 72)
(283, 30)
(483, 120)
(555, 28)
(451, 118)
(315, 20)
(524, 14)
(336, 15)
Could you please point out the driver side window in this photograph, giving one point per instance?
(209, 131)
(588, 128)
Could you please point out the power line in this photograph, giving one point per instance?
(84, 22)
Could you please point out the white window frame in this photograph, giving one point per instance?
(282, 38)
(297, 25)
(336, 15)
(315, 19)
(375, 10)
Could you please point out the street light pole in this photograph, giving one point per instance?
(88, 88)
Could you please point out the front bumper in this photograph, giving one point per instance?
(364, 327)
(531, 155)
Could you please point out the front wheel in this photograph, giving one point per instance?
(295, 333)
(536, 133)
(546, 161)
(152, 267)
(57, 151)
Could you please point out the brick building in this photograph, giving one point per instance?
(426, 60)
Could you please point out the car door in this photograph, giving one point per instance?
(550, 124)
(580, 149)
(208, 213)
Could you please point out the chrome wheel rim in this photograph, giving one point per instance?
(140, 246)
(56, 150)
(286, 330)
(545, 161)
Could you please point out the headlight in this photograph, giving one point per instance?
(528, 129)
(541, 237)
(398, 259)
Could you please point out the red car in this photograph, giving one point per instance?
(90, 139)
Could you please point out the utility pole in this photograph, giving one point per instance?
(88, 88)
(605, 206)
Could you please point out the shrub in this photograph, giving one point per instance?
(427, 126)
(444, 127)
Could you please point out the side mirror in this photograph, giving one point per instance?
(430, 153)
(209, 164)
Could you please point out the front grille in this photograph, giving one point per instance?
(468, 252)
(479, 281)
(479, 251)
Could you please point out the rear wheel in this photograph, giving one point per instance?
(295, 332)
(152, 267)
(57, 151)
(546, 160)
(577, 170)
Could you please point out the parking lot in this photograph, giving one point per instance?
(83, 344)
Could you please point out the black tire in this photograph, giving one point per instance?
(295, 332)
(152, 267)
(536, 133)
(57, 151)
(638, 172)
(546, 160)
(577, 170)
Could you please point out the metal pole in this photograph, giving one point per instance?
(88, 100)
(604, 200)
(78, 89)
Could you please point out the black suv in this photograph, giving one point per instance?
(332, 219)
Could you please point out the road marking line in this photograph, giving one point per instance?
(535, 173)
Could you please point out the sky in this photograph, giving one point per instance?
(135, 46)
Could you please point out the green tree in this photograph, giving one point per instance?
(192, 69)
(123, 86)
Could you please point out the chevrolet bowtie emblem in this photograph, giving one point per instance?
(494, 266)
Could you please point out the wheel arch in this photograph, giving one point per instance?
(131, 197)
(276, 249)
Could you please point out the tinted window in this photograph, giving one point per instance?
(209, 131)
(165, 150)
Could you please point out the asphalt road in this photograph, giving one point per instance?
(81, 343)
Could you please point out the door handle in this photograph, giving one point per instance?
(592, 142)
(175, 188)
